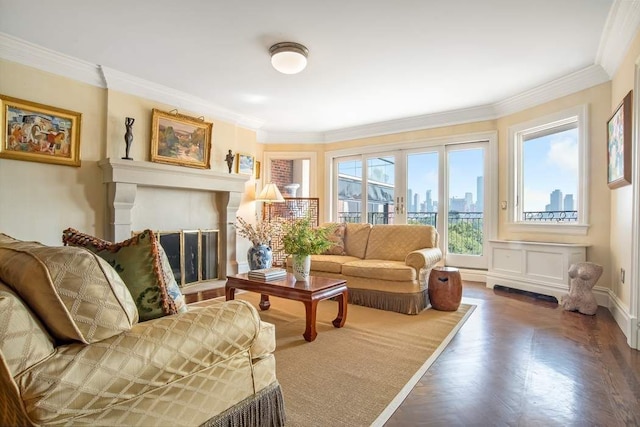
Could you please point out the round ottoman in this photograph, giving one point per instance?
(445, 288)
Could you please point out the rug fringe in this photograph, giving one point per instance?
(265, 409)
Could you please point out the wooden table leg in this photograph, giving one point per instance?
(264, 302)
(339, 321)
(230, 293)
(310, 333)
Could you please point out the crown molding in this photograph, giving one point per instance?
(26, 53)
(123, 82)
(572, 83)
(566, 85)
(29, 54)
(408, 124)
(619, 30)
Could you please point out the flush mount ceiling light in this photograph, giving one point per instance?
(288, 57)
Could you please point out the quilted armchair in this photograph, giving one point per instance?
(72, 351)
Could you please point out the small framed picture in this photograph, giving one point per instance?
(245, 164)
(258, 167)
(39, 133)
(619, 144)
(180, 140)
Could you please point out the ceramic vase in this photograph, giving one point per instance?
(301, 267)
(259, 257)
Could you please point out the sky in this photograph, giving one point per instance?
(551, 162)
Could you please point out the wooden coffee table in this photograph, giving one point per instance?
(309, 293)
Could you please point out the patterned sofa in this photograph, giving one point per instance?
(386, 266)
(72, 351)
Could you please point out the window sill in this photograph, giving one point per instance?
(548, 228)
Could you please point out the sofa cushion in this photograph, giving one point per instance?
(76, 294)
(144, 267)
(337, 238)
(355, 239)
(330, 263)
(23, 339)
(379, 269)
(4, 239)
(394, 242)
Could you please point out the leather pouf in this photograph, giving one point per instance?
(445, 288)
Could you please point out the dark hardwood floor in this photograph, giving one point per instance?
(522, 361)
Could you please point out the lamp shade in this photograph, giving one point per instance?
(288, 57)
(270, 194)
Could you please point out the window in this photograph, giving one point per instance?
(548, 166)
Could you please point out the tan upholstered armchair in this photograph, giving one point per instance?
(73, 352)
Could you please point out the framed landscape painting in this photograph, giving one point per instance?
(245, 164)
(619, 144)
(39, 133)
(180, 140)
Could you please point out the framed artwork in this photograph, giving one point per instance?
(245, 164)
(39, 133)
(258, 167)
(619, 144)
(180, 140)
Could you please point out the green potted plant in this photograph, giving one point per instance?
(301, 240)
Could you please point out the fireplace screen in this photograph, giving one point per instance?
(193, 254)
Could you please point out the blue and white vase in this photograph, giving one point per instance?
(259, 257)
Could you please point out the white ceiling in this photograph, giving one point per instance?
(369, 61)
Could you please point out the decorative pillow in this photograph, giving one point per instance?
(75, 293)
(144, 268)
(337, 237)
(23, 340)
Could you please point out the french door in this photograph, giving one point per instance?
(443, 186)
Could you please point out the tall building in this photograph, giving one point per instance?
(555, 201)
(568, 203)
(480, 193)
(410, 206)
(416, 202)
(457, 204)
(428, 202)
(468, 201)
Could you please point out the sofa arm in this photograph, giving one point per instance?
(423, 258)
(153, 354)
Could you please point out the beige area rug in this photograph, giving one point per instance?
(359, 374)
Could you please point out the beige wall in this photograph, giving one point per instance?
(621, 207)
(598, 99)
(37, 200)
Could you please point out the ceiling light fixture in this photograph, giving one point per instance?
(288, 57)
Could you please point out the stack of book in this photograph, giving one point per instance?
(267, 274)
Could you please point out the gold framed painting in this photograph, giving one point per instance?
(245, 164)
(39, 133)
(258, 169)
(619, 128)
(180, 140)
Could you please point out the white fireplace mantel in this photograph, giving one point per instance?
(123, 177)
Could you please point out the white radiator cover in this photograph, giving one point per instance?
(537, 267)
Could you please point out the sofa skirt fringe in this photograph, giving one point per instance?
(265, 409)
(412, 303)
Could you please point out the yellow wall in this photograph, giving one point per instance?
(37, 200)
(621, 206)
(598, 100)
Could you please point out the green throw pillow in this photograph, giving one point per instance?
(144, 268)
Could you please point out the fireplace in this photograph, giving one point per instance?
(136, 188)
(193, 255)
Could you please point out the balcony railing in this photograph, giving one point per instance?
(550, 216)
